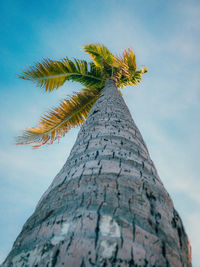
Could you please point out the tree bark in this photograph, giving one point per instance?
(107, 206)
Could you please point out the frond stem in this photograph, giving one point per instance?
(67, 74)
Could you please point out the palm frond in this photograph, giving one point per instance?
(58, 121)
(134, 80)
(126, 73)
(83, 72)
(126, 66)
(101, 56)
(130, 60)
(52, 74)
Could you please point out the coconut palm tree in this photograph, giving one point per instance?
(73, 112)
(107, 206)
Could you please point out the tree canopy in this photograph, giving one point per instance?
(51, 74)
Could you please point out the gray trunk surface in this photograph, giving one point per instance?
(107, 206)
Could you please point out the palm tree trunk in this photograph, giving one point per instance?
(107, 206)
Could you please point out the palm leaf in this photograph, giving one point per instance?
(101, 56)
(130, 60)
(126, 73)
(126, 66)
(52, 74)
(134, 80)
(58, 121)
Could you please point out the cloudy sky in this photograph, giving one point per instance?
(165, 106)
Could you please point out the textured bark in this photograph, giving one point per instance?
(107, 206)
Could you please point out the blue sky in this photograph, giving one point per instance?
(165, 106)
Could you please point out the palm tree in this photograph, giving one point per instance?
(107, 206)
(73, 112)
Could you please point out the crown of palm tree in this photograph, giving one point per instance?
(72, 112)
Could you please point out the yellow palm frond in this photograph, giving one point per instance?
(58, 121)
(126, 73)
(126, 66)
(130, 60)
(52, 74)
(134, 80)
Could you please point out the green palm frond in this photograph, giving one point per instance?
(101, 56)
(58, 121)
(52, 74)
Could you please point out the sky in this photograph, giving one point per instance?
(165, 37)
